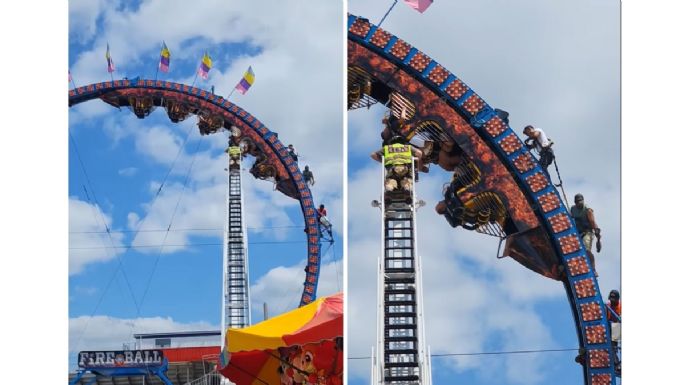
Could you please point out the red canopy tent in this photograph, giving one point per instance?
(303, 346)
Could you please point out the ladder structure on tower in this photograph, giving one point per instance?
(401, 356)
(236, 286)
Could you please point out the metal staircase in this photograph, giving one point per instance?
(400, 331)
(236, 293)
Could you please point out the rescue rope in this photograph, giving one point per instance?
(561, 183)
(386, 14)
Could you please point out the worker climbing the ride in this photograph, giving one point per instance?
(394, 126)
(538, 139)
(234, 152)
(613, 309)
(324, 223)
(292, 152)
(397, 157)
(308, 176)
(584, 219)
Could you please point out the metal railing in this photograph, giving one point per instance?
(213, 378)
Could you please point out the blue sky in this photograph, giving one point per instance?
(118, 162)
(533, 59)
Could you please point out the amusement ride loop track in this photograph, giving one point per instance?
(142, 95)
(537, 221)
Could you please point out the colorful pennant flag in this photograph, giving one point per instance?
(246, 82)
(205, 66)
(164, 58)
(110, 63)
(419, 5)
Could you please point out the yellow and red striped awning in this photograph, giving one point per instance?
(303, 343)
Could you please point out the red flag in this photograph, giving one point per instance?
(419, 5)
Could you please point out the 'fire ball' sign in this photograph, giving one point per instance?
(118, 359)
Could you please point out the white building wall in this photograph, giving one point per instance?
(179, 342)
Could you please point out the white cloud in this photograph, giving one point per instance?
(128, 171)
(85, 290)
(202, 207)
(83, 15)
(88, 240)
(281, 287)
(158, 143)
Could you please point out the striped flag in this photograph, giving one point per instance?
(110, 63)
(419, 5)
(164, 58)
(205, 66)
(246, 82)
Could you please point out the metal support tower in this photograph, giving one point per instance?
(401, 356)
(235, 311)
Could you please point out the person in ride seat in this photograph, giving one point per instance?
(538, 139)
(445, 154)
(323, 220)
(397, 157)
(308, 176)
(393, 125)
(613, 309)
(584, 219)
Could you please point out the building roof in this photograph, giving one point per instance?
(178, 334)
